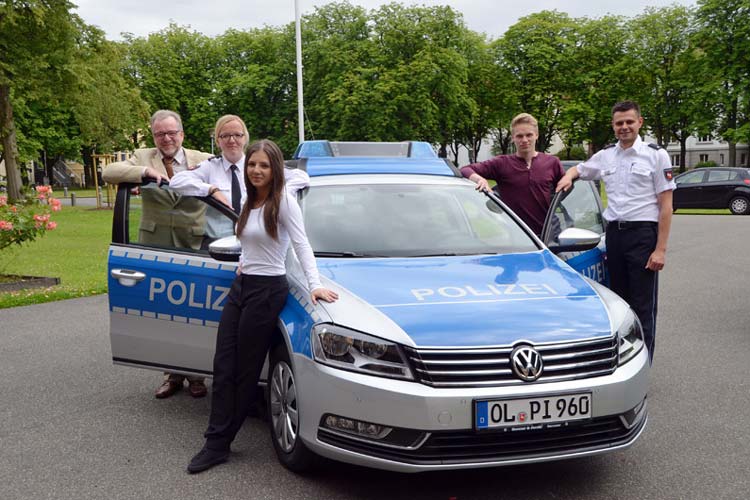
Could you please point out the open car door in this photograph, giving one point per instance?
(165, 293)
(579, 207)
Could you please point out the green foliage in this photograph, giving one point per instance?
(601, 77)
(393, 73)
(573, 153)
(177, 69)
(723, 35)
(28, 219)
(538, 52)
(75, 252)
(706, 164)
(256, 80)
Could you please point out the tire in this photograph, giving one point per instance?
(739, 205)
(283, 414)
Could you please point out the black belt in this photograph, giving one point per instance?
(627, 224)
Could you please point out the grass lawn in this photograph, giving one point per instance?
(703, 211)
(75, 252)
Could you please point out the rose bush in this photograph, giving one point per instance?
(28, 219)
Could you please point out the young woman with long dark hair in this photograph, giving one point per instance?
(270, 219)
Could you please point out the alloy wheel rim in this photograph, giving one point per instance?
(284, 411)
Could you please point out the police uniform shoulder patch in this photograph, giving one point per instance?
(668, 174)
(610, 146)
(654, 146)
(210, 158)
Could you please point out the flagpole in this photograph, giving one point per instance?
(300, 100)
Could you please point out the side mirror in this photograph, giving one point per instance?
(575, 239)
(226, 249)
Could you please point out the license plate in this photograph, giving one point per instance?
(496, 414)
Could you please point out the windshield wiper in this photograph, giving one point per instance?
(338, 254)
(442, 254)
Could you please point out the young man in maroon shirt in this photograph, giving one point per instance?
(526, 179)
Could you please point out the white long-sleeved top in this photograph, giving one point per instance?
(217, 171)
(265, 256)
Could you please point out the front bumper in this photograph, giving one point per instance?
(441, 420)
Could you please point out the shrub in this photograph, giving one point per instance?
(28, 219)
(706, 164)
(575, 153)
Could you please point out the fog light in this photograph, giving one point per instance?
(356, 427)
(631, 417)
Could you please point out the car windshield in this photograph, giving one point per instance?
(408, 220)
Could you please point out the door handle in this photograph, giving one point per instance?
(126, 277)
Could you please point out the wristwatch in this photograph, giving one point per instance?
(212, 190)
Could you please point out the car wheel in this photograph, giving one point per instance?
(739, 205)
(283, 412)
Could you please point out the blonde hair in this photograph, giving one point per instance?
(226, 119)
(524, 119)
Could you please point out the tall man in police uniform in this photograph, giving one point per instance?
(638, 181)
(167, 219)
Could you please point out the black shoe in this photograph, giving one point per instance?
(205, 459)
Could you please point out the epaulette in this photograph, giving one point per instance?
(610, 146)
(194, 167)
(654, 146)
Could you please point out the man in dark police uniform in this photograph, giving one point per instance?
(638, 181)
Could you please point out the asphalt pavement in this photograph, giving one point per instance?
(74, 426)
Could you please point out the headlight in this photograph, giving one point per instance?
(350, 350)
(630, 335)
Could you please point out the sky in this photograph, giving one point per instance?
(214, 17)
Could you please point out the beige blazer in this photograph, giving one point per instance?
(167, 219)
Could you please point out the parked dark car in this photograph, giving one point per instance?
(715, 187)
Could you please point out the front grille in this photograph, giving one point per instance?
(492, 367)
(469, 446)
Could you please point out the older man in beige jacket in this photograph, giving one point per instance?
(167, 219)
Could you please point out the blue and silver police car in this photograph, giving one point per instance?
(460, 339)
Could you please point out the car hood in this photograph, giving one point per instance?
(467, 301)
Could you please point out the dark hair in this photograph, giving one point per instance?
(626, 106)
(273, 201)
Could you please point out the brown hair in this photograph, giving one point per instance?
(626, 106)
(273, 201)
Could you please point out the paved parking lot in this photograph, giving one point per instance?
(75, 426)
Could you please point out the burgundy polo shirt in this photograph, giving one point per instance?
(527, 191)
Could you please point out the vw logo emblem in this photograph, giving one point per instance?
(526, 363)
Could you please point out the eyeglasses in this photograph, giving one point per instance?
(236, 137)
(171, 133)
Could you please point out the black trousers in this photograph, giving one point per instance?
(246, 330)
(628, 250)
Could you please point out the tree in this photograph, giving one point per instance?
(256, 80)
(538, 52)
(723, 33)
(601, 77)
(34, 65)
(674, 96)
(339, 52)
(176, 69)
(493, 93)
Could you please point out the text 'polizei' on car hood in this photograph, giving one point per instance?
(469, 301)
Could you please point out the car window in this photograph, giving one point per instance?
(720, 175)
(578, 209)
(161, 218)
(409, 220)
(691, 178)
